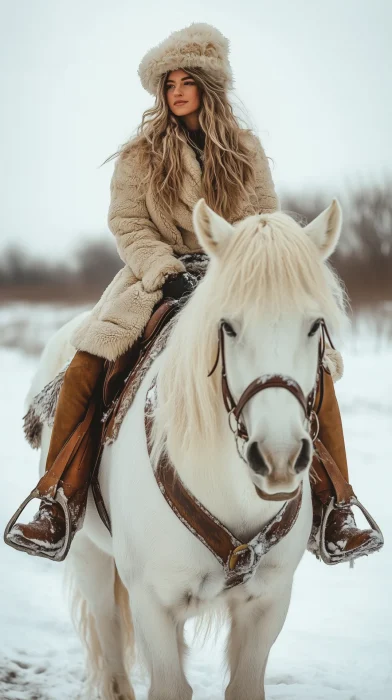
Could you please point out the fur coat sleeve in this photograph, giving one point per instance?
(139, 242)
(267, 200)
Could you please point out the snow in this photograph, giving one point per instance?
(337, 641)
(29, 326)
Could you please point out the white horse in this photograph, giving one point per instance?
(268, 282)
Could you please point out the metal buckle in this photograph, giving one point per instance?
(236, 553)
(240, 447)
(238, 437)
(233, 429)
(55, 554)
(331, 558)
(314, 417)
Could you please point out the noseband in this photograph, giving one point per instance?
(267, 381)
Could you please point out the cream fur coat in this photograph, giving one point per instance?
(148, 243)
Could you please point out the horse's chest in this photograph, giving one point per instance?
(192, 583)
(207, 591)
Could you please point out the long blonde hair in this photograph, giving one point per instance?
(228, 173)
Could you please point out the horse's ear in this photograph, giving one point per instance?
(325, 229)
(211, 229)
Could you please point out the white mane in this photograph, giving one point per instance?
(270, 266)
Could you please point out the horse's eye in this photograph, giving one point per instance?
(229, 330)
(315, 327)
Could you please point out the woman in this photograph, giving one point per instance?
(188, 145)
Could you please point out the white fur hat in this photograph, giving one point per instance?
(198, 46)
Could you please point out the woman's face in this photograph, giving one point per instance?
(183, 95)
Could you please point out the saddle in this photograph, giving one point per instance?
(122, 378)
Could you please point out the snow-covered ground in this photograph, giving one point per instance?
(337, 640)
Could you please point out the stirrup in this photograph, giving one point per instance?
(55, 554)
(331, 558)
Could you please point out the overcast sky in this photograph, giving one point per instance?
(314, 76)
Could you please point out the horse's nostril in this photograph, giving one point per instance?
(256, 460)
(303, 458)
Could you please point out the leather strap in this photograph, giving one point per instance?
(238, 559)
(48, 484)
(96, 489)
(159, 319)
(128, 361)
(266, 381)
(130, 365)
(146, 347)
(274, 381)
(343, 490)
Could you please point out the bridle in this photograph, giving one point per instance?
(267, 381)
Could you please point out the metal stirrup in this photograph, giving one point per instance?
(331, 558)
(55, 554)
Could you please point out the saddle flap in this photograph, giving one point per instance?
(118, 370)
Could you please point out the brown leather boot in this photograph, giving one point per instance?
(73, 448)
(335, 536)
(47, 528)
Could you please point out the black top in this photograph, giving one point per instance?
(197, 140)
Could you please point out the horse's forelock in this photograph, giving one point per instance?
(271, 266)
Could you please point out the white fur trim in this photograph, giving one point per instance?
(199, 45)
(42, 409)
(333, 362)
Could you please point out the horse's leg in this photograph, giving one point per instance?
(255, 625)
(96, 610)
(161, 640)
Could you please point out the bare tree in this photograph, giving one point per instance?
(363, 259)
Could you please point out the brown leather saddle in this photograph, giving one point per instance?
(122, 374)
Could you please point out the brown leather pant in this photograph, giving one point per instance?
(72, 426)
(331, 429)
(331, 436)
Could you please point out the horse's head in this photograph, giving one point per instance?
(268, 289)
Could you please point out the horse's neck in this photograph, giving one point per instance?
(220, 480)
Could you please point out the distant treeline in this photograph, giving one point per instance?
(363, 259)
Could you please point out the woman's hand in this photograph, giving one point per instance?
(177, 286)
